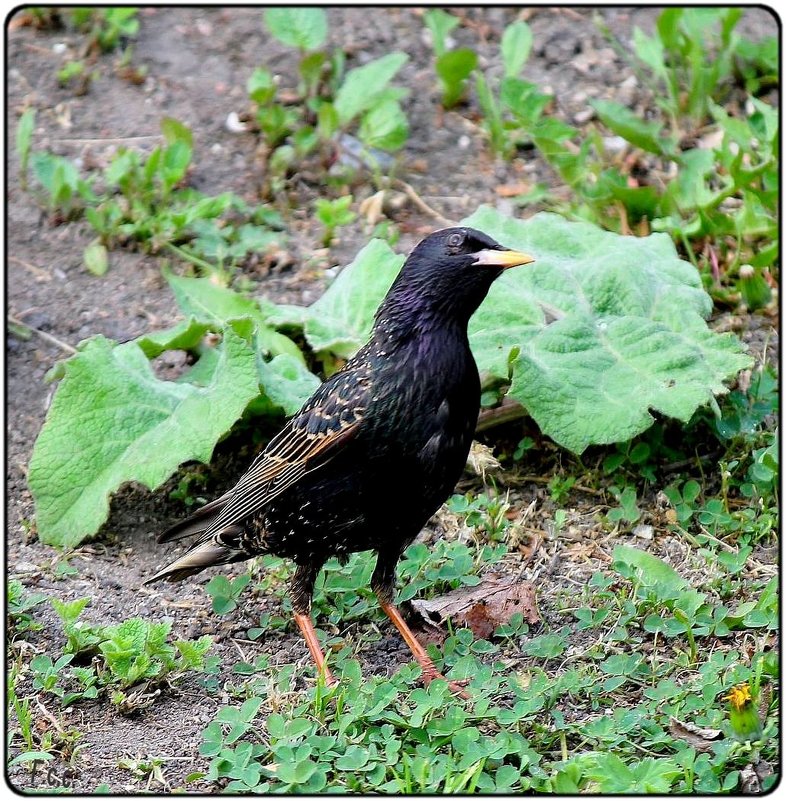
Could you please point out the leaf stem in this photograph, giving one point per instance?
(64, 346)
(184, 254)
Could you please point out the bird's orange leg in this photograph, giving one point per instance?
(307, 629)
(430, 671)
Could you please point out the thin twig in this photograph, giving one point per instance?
(707, 457)
(48, 337)
(107, 140)
(39, 271)
(37, 49)
(524, 479)
(195, 260)
(49, 716)
(243, 656)
(506, 412)
(421, 204)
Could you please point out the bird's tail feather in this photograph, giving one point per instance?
(213, 551)
(196, 522)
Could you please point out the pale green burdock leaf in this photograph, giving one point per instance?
(113, 421)
(286, 382)
(600, 331)
(340, 321)
(208, 302)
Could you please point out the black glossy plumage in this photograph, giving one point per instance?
(379, 446)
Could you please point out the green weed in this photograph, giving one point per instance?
(119, 658)
(453, 66)
(18, 604)
(331, 102)
(100, 30)
(333, 214)
(142, 202)
(107, 27)
(486, 513)
(225, 592)
(24, 139)
(718, 199)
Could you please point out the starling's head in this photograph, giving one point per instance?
(452, 270)
(462, 249)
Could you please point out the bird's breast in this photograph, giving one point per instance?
(425, 409)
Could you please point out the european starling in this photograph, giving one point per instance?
(377, 448)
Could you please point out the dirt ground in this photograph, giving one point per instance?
(197, 64)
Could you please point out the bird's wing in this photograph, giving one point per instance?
(328, 421)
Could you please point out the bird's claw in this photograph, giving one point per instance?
(331, 682)
(456, 686)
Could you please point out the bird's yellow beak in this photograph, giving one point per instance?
(502, 258)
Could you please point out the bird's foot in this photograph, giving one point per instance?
(330, 680)
(456, 686)
(429, 670)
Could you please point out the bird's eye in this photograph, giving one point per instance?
(456, 240)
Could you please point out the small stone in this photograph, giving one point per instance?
(626, 91)
(395, 201)
(614, 144)
(646, 532)
(584, 116)
(505, 207)
(233, 123)
(464, 142)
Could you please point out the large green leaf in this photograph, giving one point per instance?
(286, 382)
(652, 572)
(113, 421)
(185, 335)
(592, 380)
(211, 303)
(599, 331)
(340, 321)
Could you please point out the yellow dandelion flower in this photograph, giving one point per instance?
(743, 716)
(739, 695)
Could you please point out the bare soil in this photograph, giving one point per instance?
(198, 60)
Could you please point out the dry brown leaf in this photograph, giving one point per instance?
(752, 775)
(512, 190)
(481, 459)
(371, 207)
(489, 604)
(700, 738)
(749, 781)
